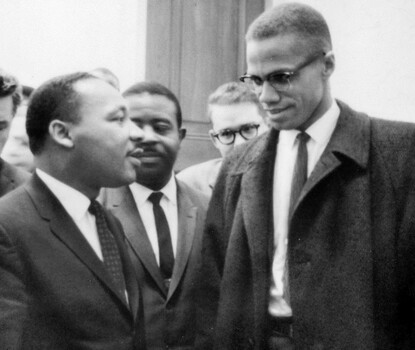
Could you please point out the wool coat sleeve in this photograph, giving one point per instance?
(215, 240)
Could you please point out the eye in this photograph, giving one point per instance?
(249, 131)
(162, 127)
(280, 78)
(227, 133)
(120, 118)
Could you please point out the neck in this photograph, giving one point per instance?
(56, 169)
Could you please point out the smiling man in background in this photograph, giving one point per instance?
(163, 220)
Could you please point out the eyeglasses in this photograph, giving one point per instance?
(227, 136)
(280, 81)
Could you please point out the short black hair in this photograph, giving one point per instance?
(54, 99)
(292, 18)
(154, 88)
(9, 86)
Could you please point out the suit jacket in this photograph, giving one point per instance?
(351, 244)
(170, 315)
(54, 291)
(10, 177)
(201, 176)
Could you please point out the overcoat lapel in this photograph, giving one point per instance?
(187, 214)
(63, 227)
(350, 141)
(122, 201)
(256, 199)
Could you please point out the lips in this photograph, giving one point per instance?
(136, 152)
(276, 110)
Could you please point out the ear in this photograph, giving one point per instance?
(329, 64)
(182, 134)
(59, 131)
(213, 138)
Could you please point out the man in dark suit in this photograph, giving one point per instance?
(10, 98)
(66, 279)
(310, 231)
(165, 246)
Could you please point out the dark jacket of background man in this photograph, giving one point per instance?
(169, 304)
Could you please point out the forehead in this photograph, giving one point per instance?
(149, 105)
(235, 115)
(278, 52)
(97, 94)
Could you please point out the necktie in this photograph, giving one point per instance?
(109, 248)
(163, 235)
(299, 179)
(300, 170)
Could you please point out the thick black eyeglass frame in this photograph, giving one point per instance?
(239, 131)
(279, 80)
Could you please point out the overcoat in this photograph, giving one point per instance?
(351, 243)
(55, 292)
(170, 314)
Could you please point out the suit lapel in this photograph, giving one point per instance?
(187, 214)
(123, 204)
(63, 227)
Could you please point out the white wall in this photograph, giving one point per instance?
(44, 38)
(375, 53)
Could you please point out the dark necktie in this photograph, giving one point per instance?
(163, 235)
(109, 248)
(300, 170)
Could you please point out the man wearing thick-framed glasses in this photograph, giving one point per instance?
(310, 235)
(236, 116)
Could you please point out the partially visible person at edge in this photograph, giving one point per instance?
(310, 234)
(66, 278)
(236, 116)
(10, 98)
(16, 151)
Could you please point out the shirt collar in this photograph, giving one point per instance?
(74, 202)
(320, 131)
(169, 190)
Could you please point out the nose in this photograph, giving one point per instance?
(268, 94)
(136, 133)
(150, 135)
(238, 139)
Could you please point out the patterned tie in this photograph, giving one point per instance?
(300, 170)
(163, 234)
(109, 248)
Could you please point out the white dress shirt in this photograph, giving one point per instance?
(169, 204)
(76, 205)
(320, 133)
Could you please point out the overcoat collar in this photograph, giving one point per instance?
(349, 142)
(63, 227)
